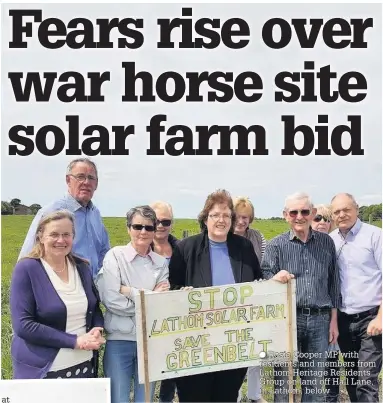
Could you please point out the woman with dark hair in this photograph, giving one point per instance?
(55, 311)
(214, 257)
(126, 270)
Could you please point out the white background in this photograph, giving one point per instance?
(126, 181)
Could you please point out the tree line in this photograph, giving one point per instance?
(10, 208)
(375, 210)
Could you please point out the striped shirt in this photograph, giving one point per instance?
(258, 241)
(263, 246)
(313, 264)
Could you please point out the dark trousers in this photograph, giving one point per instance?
(219, 386)
(312, 337)
(332, 377)
(362, 355)
(167, 390)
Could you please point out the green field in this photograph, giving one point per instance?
(14, 229)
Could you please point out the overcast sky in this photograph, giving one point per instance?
(185, 181)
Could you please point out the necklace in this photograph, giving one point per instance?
(62, 270)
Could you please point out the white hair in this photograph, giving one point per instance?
(162, 205)
(85, 161)
(324, 209)
(297, 197)
(350, 196)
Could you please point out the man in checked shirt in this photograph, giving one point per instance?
(309, 257)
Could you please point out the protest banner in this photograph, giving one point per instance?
(96, 390)
(181, 333)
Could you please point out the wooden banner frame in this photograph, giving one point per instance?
(145, 338)
(145, 347)
(291, 344)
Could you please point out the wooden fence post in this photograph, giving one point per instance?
(290, 340)
(145, 347)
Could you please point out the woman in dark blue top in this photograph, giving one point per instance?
(213, 258)
(55, 312)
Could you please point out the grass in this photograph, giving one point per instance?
(14, 229)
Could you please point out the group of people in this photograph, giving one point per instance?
(67, 269)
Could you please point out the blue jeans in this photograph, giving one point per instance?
(332, 375)
(121, 366)
(312, 337)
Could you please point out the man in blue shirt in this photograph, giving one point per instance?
(359, 253)
(91, 240)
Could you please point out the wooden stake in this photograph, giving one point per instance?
(145, 346)
(290, 338)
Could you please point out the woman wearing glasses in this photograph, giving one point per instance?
(126, 270)
(163, 241)
(163, 244)
(215, 257)
(55, 312)
(322, 222)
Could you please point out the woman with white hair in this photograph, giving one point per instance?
(126, 270)
(163, 244)
(323, 222)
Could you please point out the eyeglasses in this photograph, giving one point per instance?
(216, 217)
(304, 212)
(65, 235)
(320, 217)
(82, 178)
(165, 223)
(140, 227)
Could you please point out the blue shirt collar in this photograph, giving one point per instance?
(356, 227)
(74, 205)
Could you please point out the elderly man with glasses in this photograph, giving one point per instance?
(309, 257)
(91, 241)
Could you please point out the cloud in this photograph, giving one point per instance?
(112, 174)
(191, 192)
(371, 198)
